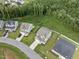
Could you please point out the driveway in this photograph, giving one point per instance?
(20, 38)
(6, 34)
(24, 48)
(34, 44)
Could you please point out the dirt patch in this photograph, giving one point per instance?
(9, 54)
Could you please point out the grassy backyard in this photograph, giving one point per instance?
(52, 23)
(14, 35)
(1, 33)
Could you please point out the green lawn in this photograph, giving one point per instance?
(76, 55)
(1, 54)
(1, 33)
(53, 23)
(15, 34)
(31, 37)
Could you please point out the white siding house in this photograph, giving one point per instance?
(43, 34)
(11, 25)
(26, 28)
(13, 1)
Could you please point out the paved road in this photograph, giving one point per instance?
(24, 48)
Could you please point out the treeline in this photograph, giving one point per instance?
(66, 11)
(40, 7)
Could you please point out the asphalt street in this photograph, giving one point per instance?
(24, 48)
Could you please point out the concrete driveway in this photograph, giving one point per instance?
(34, 44)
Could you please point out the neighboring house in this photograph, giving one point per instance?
(1, 24)
(11, 25)
(20, 1)
(43, 34)
(7, 1)
(26, 28)
(14, 1)
(64, 49)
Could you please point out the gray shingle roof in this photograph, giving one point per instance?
(26, 27)
(43, 34)
(10, 24)
(65, 48)
(43, 31)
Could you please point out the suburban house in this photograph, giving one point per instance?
(20, 1)
(14, 1)
(7, 1)
(11, 25)
(1, 24)
(43, 34)
(26, 28)
(64, 49)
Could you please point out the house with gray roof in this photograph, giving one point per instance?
(43, 34)
(20, 1)
(26, 28)
(64, 49)
(1, 24)
(7, 1)
(11, 25)
(14, 1)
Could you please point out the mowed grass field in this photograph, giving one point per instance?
(10, 52)
(6, 53)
